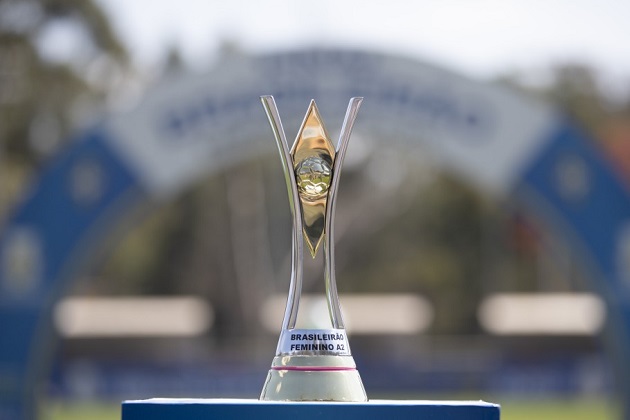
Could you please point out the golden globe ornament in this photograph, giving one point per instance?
(313, 178)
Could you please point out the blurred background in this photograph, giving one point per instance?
(189, 301)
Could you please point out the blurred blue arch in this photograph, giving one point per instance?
(191, 125)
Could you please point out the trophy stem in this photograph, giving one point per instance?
(332, 297)
(297, 246)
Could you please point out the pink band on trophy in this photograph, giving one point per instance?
(314, 368)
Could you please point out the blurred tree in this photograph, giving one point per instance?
(40, 87)
(575, 90)
(432, 248)
(173, 61)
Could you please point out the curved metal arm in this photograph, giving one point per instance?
(332, 296)
(295, 288)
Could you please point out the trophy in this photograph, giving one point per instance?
(312, 364)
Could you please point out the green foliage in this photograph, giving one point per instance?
(39, 96)
(433, 249)
(80, 411)
(584, 409)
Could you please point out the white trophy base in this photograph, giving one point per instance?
(313, 378)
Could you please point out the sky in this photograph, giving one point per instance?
(479, 38)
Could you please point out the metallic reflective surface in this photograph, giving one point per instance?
(313, 178)
(329, 248)
(313, 155)
(295, 287)
(312, 365)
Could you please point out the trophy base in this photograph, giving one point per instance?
(313, 378)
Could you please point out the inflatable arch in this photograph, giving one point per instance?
(191, 126)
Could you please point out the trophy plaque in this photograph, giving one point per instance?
(312, 364)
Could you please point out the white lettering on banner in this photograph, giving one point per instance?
(327, 342)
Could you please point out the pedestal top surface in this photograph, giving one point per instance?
(194, 408)
(215, 401)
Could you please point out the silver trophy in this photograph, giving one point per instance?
(312, 364)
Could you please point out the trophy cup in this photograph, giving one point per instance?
(312, 364)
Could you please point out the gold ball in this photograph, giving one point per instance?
(313, 177)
